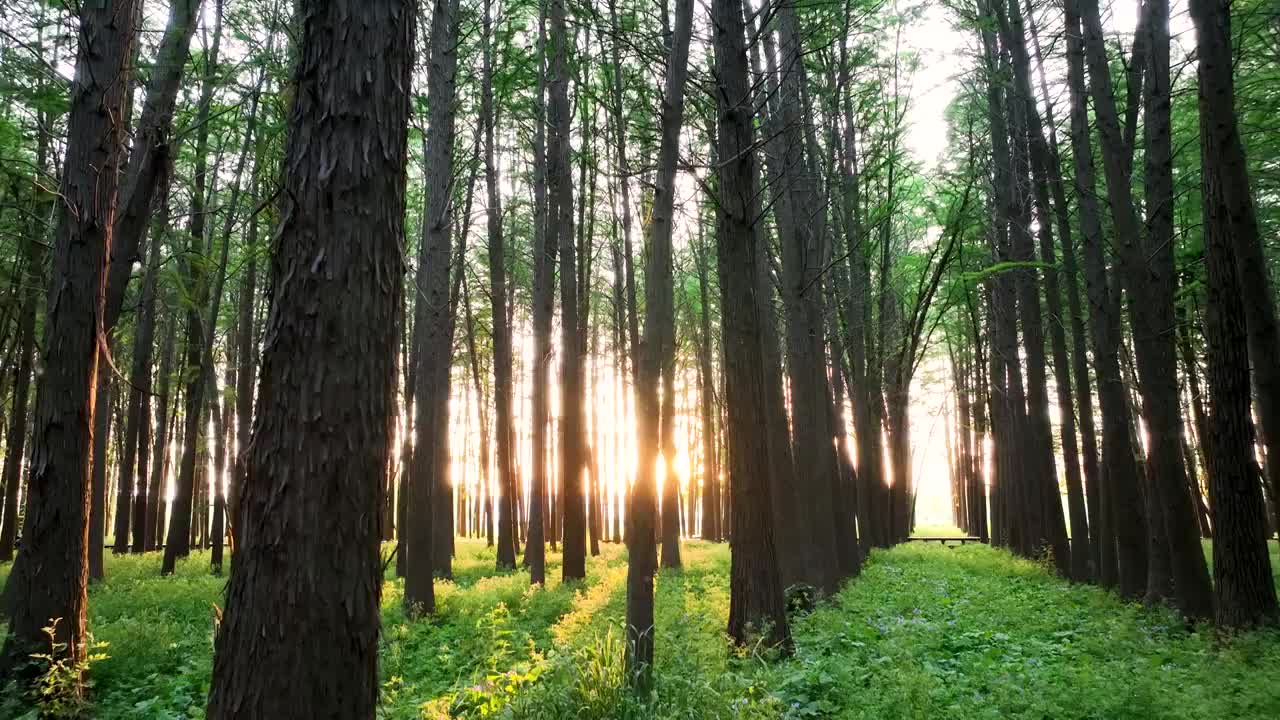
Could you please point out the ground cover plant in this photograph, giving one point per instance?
(924, 632)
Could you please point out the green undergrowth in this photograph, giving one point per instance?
(925, 632)
(971, 632)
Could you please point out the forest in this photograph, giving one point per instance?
(629, 359)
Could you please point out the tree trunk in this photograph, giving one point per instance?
(755, 586)
(178, 542)
(152, 155)
(1239, 319)
(1074, 564)
(560, 196)
(48, 580)
(15, 441)
(707, 404)
(139, 373)
(1122, 539)
(343, 215)
(1083, 553)
(430, 510)
(545, 249)
(502, 352)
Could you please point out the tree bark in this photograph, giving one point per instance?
(1239, 316)
(560, 196)
(130, 469)
(1123, 535)
(48, 580)
(325, 412)
(755, 586)
(502, 352)
(544, 251)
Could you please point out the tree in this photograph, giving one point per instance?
(755, 589)
(545, 247)
(655, 361)
(310, 505)
(498, 300)
(1244, 591)
(560, 207)
(428, 551)
(47, 585)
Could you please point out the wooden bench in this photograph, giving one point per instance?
(962, 539)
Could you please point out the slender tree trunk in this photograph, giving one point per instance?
(1084, 557)
(1069, 564)
(707, 405)
(156, 487)
(430, 508)
(152, 154)
(545, 248)
(15, 441)
(143, 340)
(178, 542)
(502, 351)
(560, 196)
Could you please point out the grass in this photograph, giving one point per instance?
(925, 632)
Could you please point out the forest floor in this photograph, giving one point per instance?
(925, 632)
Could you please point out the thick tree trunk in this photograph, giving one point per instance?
(1239, 316)
(1244, 589)
(319, 657)
(1148, 271)
(755, 586)
(795, 535)
(49, 578)
(817, 469)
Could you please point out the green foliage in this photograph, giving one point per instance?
(970, 632)
(925, 632)
(61, 683)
